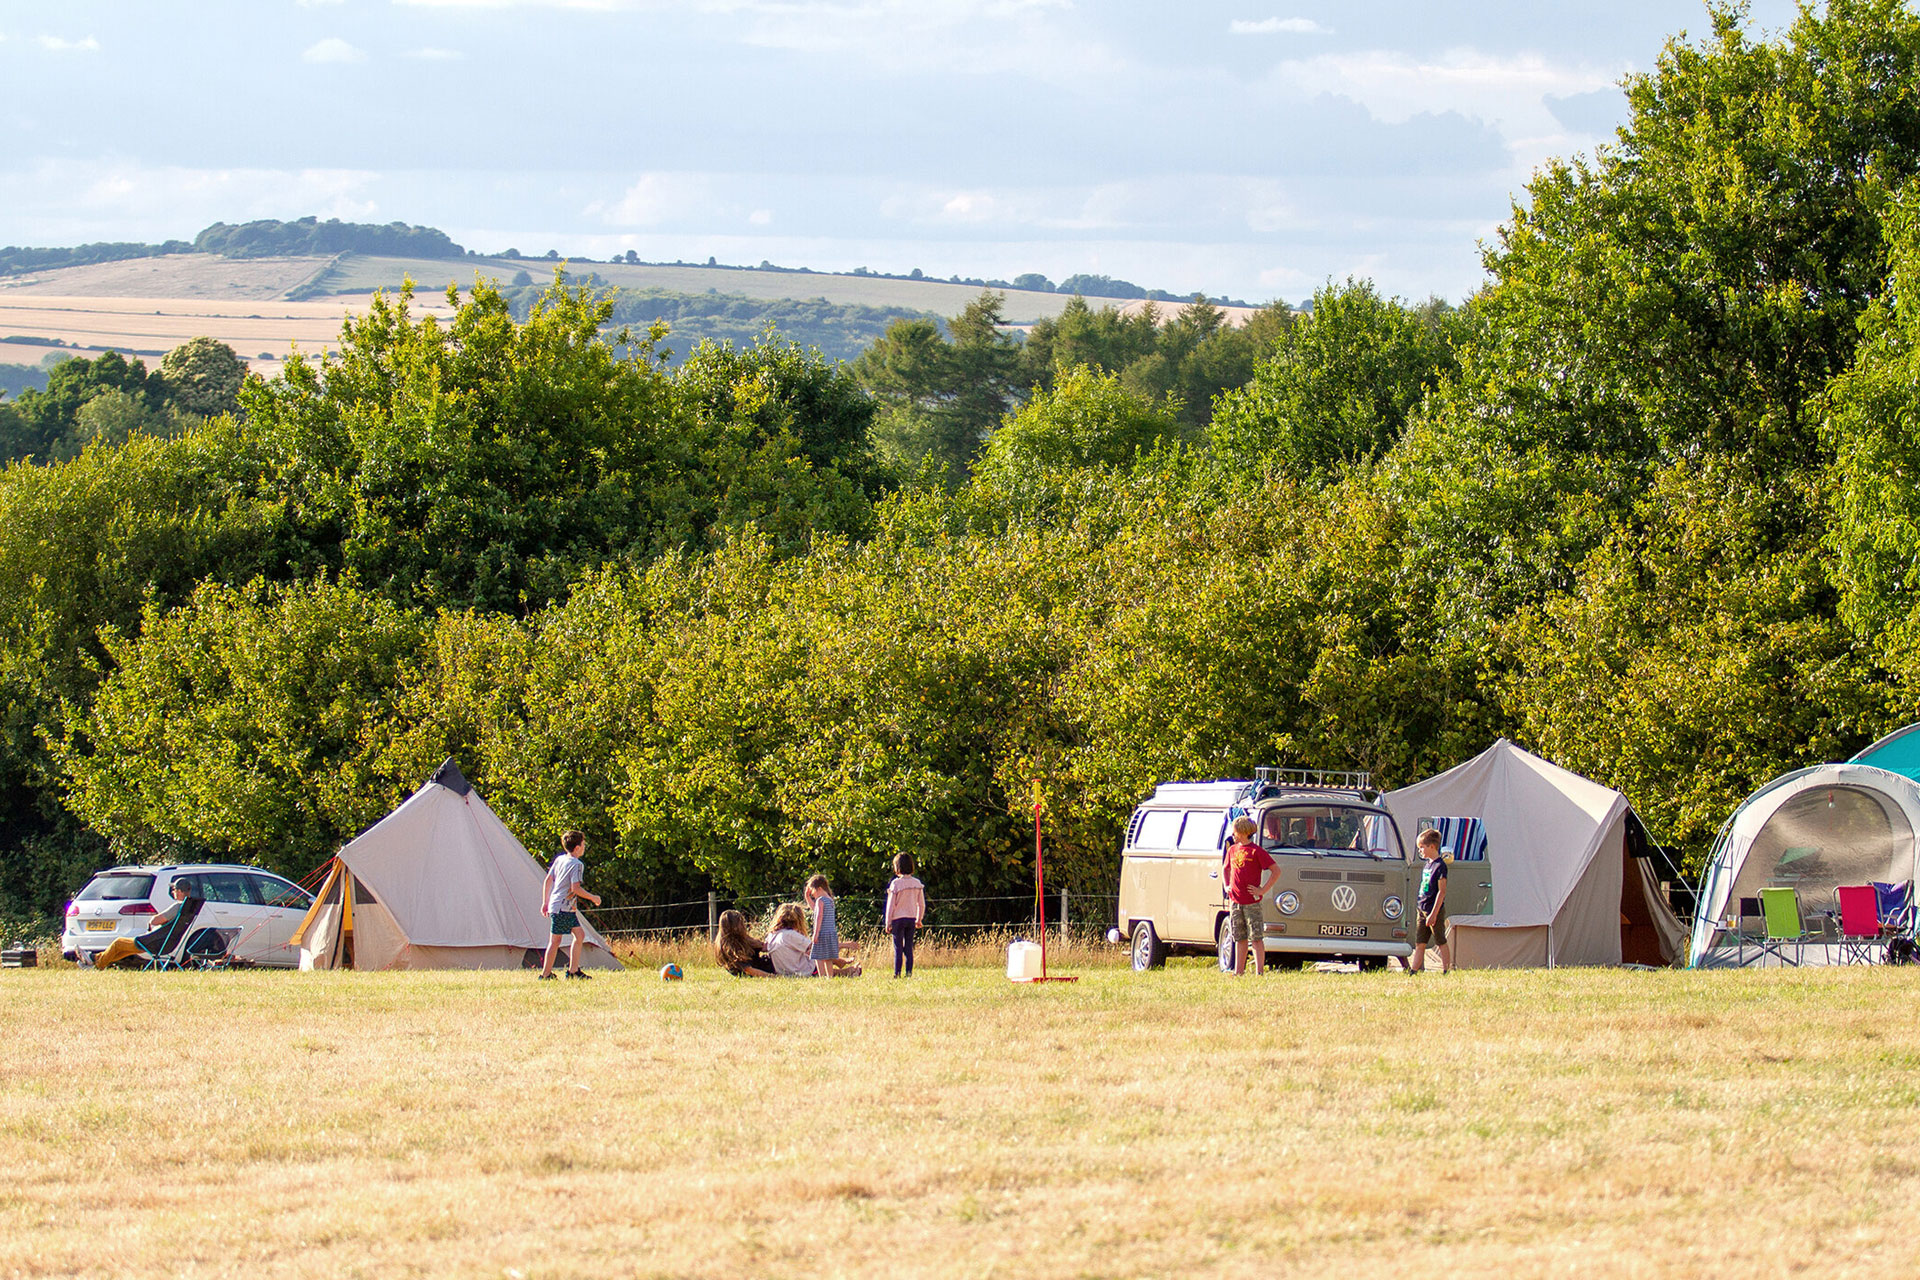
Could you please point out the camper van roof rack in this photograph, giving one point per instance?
(1314, 779)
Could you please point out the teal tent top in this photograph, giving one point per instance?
(1898, 752)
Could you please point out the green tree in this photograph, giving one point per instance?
(940, 398)
(1087, 420)
(1338, 387)
(203, 376)
(248, 723)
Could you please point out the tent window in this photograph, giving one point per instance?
(1825, 837)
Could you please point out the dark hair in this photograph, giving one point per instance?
(572, 840)
(903, 864)
(1428, 837)
(733, 946)
(820, 882)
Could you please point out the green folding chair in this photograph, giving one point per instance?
(1781, 907)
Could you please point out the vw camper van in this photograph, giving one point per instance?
(1344, 888)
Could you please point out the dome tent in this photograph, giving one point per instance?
(1814, 830)
(1572, 876)
(439, 883)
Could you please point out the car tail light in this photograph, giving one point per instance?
(138, 909)
(73, 909)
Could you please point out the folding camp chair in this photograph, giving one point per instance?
(1748, 928)
(1894, 902)
(1781, 907)
(1860, 940)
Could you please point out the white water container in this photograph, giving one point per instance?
(1023, 961)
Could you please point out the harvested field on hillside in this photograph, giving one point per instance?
(1180, 1122)
(204, 276)
(261, 332)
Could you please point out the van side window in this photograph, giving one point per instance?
(1202, 830)
(1160, 828)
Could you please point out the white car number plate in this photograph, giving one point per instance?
(101, 926)
(1343, 931)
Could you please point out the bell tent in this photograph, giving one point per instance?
(1573, 881)
(439, 883)
(1813, 830)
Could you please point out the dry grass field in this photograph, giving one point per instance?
(263, 333)
(1174, 1123)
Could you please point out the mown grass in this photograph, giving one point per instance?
(1568, 1122)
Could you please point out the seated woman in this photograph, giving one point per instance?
(739, 952)
(788, 945)
(166, 930)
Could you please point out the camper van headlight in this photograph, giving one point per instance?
(1288, 902)
(1392, 908)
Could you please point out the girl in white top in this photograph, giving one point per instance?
(787, 945)
(906, 911)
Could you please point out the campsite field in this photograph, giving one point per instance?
(1537, 1123)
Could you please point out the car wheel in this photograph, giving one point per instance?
(1224, 945)
(1147, 949)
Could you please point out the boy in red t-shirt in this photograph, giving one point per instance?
(1248, 872)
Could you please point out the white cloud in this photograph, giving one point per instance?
(1277, 27)
(333, 49)
(314, 4)
(437, 55)
(58, 44)
(1509, 93)
(658, 198)
(760, 218)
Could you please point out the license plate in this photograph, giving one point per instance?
(102, 926)
(1343, 931)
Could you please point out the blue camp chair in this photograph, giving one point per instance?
(1895, 905)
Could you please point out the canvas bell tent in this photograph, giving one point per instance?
(1812, 830)
(439, 883)
(1573, 875)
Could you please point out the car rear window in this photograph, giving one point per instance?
(120, 888)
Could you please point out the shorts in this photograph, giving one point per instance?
(1436, 933)
(1248, 921)
(564, 922)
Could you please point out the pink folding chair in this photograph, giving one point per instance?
(1860, 940)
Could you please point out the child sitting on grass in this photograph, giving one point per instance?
(787, 946)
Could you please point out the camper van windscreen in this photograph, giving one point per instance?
(1329, 829)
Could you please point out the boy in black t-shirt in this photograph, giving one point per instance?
(1431, 906)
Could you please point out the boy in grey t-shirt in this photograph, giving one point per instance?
(559, 895)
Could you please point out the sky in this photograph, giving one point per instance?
(1255, 149)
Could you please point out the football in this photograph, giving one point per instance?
(671, 972)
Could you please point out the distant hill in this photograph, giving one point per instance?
(305, 237)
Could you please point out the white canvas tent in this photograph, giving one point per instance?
(439, 883)
(1567, 888)
(1813, 830)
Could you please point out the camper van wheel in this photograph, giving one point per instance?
(1224, 944)
(1148, 951)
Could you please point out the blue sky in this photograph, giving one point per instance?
(1251, 148)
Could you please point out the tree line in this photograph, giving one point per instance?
(1643, 503)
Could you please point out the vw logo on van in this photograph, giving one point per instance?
(1344, 898)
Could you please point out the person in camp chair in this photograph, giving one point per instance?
(167, 927)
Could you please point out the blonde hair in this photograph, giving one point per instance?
(1244, 826)
(1428, 837)
(790, 915)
